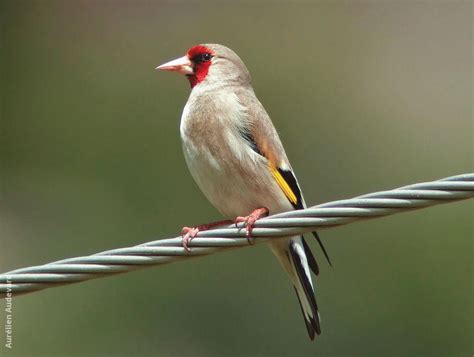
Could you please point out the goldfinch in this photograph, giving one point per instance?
(237, 159)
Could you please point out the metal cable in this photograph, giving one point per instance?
(285, 224)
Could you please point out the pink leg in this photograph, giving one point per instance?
(251, 219)
(188, 233)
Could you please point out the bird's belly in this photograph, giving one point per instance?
(235, 186)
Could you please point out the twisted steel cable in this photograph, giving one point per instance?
(379, 204)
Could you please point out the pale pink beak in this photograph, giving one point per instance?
(181, 65)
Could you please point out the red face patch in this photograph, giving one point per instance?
(201, 57)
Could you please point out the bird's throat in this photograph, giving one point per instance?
(200, 73)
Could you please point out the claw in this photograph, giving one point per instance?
(248, 227)
(188, 233)
(250, 222)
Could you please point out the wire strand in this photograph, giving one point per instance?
(327, 215)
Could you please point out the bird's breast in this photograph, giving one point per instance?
(233, 177)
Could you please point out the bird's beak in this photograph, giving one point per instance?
(181, 65)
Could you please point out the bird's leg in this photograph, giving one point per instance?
(188, 233)
(250, 221)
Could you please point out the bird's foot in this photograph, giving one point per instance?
(250, 221)
(188, 233)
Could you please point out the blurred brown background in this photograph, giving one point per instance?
(366, 96)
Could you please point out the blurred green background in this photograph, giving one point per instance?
(366, 97)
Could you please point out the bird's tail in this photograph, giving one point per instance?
(297, 259)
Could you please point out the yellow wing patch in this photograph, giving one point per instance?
(283, 184)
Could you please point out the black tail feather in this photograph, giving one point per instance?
(311, 260)
(309, 325)
(308, 291)
(322, 247)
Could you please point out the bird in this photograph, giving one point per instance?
(237, 159)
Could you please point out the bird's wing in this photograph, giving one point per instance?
(295, 256)
(262, 136)
(259, 132)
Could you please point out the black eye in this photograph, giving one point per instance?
(203, 57)
(206, 57)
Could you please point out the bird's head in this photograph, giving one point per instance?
(210, 64)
